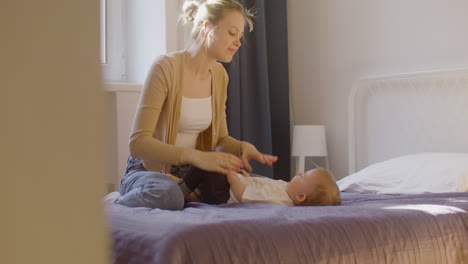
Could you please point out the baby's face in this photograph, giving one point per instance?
(301, 182)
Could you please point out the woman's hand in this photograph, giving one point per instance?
(220, 162)
(250, 152)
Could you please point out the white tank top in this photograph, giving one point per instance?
(195, 117)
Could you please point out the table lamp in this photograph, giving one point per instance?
(308, 141)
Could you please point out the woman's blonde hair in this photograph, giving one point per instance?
(212, 11)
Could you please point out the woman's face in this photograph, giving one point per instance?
(224, 39)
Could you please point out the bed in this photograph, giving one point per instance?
(395, 121)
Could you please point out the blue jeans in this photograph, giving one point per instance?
(142, 188)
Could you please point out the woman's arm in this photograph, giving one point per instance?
(225, 143)
(152, 100)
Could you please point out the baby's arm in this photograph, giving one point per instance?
(237, 187)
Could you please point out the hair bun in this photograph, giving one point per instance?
(190, 9)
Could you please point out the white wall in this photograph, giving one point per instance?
(123, 100)
(332, 43)
(53, 134)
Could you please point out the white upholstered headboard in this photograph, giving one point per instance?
(394, 115)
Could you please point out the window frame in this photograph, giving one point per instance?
(113, 30)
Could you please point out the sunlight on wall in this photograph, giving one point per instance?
(428, 208)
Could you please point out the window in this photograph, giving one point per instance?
(133, 34)
(112, 40)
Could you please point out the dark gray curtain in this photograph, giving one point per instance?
(258, 91)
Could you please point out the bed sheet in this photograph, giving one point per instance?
(366, 228)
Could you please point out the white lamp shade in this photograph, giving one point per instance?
(309, 141)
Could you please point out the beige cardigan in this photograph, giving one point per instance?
(157, 116)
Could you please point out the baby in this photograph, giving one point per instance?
(315, 187)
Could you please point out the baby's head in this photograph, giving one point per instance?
(314, 187)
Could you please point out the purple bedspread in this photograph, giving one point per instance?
(424, 228)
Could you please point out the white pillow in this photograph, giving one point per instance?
(417, 173)
(462, 185)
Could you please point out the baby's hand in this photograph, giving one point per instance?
(244, 173)
(231, 174)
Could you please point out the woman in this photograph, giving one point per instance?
(181, 115)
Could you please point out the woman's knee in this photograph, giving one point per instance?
(164, 194)
(154, 190)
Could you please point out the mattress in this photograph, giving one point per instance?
(366, 228)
